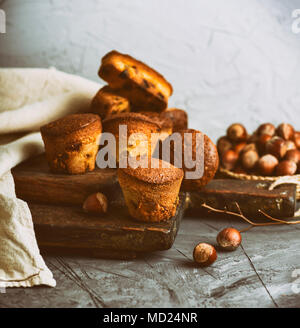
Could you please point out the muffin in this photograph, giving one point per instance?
(164, 122)
(108, 102)
(146, 89)
(71, 143)
(151, 194)
(178, 117)
(142, 143)
(205, 154)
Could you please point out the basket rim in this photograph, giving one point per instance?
(244, 176)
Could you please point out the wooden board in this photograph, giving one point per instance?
(56, 201)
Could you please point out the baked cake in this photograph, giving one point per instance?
(108, 102)
(151, 194)
(178, 117)
(140, 125)
(208, 160)
(71, 143)
(146, 89)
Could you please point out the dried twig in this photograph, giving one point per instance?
(252, 224)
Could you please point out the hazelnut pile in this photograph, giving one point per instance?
(269, 151)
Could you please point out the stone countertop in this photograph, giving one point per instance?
(260, 273)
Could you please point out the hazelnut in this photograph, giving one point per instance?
(266, 128)
(204, 254)
(229, 159)
(239, 147)
(286, 168)
(293, 155)
(229, 239)
(297, 139)
(95, 203)
(237, 132)
(261, 142)
(250, 146)
(285, 131)
(252, 138)
(276, 146)
(290, 145)
(266, 164)
(249, 159)
(223, 145)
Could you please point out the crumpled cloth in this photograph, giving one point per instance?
(29, 98)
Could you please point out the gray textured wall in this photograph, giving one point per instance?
(233, 60)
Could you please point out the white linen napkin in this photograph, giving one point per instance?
(29, 98)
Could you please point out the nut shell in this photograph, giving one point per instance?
(229, 239)
(95, 203)
(286, 168)
(276, 146)
(266, 128)
(237, 132)
(285, 131)
(204, 254)
(266, 164)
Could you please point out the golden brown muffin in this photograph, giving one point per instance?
(71, 143)
(108, 102)
(208, 158)
(146, 89)
(165, 123)
(151, 194)
(178, 116)
(142, 126)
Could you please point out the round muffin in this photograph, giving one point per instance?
(108, 102)
(165, 123)
(178, 117)
(140, 141)
(151, 194)
(206, 155)
(71, 143)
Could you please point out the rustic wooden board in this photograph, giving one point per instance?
(35, 183)
(69, 227)
(55, 201)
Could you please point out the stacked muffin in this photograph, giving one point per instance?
(136, 97)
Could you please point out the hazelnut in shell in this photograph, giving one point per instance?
(285, 131)
(286, 168)
(266, 128)
(237, 132)
(204, 254)
(229, 239)
(276, 146)
(239, 147)
(262, 141)
(95, 203)
(229, 159)
(249, 159)
(297, 139)
(290, 145)
(266, 164)
(293, 155)
(223, 145)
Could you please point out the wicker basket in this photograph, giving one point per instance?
(294, 179)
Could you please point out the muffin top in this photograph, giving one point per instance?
(137, 118)
(165, 122)
(71, 123)
(157, 174)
